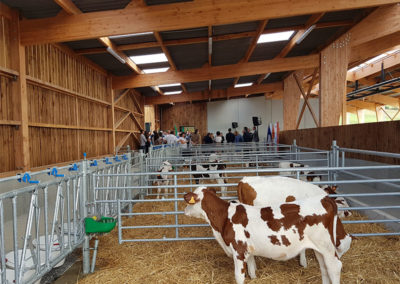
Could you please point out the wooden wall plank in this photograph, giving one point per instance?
(185, 114)
(380, 136)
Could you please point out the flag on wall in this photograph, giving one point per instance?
(269, 134)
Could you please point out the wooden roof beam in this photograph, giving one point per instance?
(175, 16)
(375, 67)
(250, 50)
(215, 94)
(142, 45)
(363, 105)
(217, 72)
(384, 100)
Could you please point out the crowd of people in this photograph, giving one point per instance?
(183, 139)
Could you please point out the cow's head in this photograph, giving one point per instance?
(166, 165)
(330, 189)
(193, 201)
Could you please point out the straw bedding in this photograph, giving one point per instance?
(369, 260)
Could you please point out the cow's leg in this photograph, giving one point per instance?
(158, 190)
(303, 258)
(220, 180)
(240, 270)
(322, 266)
(166, 190)
(334, 267)
(252, 267)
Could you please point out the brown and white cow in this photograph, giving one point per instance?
(266, 191)
(279, 232)
(163, 179)
(340, 201)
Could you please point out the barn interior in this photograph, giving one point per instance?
(82, 79)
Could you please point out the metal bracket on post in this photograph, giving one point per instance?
(335, 161)
(86, 247)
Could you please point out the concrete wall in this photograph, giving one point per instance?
(221, 114)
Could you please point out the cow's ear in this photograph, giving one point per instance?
(191, 198)
(212, 190)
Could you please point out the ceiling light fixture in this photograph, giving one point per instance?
(130, 35)
(305, 34)
(116, 55)
(172, 93)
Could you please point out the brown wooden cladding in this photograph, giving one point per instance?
(380, 136)
(6, 99)
(7, 150)
(185, 114)
(5, 50)
(54, 65)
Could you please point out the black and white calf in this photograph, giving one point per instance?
(163, 179)
(214, 165)
(305, 175)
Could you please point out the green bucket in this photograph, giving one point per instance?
(104, 225)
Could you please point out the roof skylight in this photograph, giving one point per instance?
(169, 85)
(374, 59)
(173, 93)
(155, 70)
(243, 85)
(272, 37)
(149, 58)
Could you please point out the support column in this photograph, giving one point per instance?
(333, 70)
(20, 97)
(112, 118)
(291, 101)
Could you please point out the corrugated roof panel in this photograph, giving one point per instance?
(248, 79)
(266, 51)
(147, 91)
(222, 83)
(108, 62)
(100, 5)
(184, 34)
(154, 65)
(229, 51)
(143, 51)
(33, 9)
(314, 40)
(347, 15)
(189, 56)
(83, 44)
(196, 86)
(235, 28)
(274, 77)
(159, 2)
(287, 22)
(134, 39)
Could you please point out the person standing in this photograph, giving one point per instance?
(230, 137)
(142, 140)
(195, 137)
(208, 139)
(171, 138)
(238, 137)
(182, 140)
(218, 138)
(255, 135)
(247, 137)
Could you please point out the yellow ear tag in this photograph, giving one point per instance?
(191, 201)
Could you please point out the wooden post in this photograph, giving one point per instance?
(112, 95)
(333, 70)
(291, 101)
(22, 155)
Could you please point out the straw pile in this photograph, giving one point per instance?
(369, 260)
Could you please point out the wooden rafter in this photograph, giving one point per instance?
(305, 97)
(216, 94)
(68, 6)
(382, 99)
(375, 67)
(250, 50)
(133, 94)
(174, 16)
(122, 119)
(217, 72)
(134, 46)
(123, 140)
